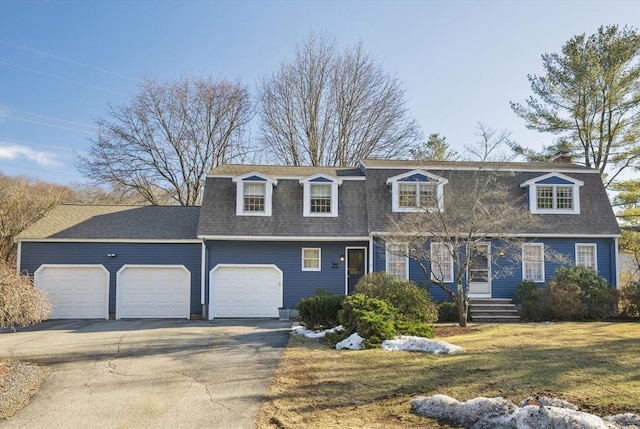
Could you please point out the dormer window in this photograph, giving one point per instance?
(554, 193)
(417, 191)
(320, 193)
(253, 194)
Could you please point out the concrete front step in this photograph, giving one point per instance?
(492, 310)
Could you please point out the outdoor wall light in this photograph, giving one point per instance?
(341, 258)
(111, 255)
(500, 253)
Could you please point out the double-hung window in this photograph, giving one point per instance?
(533, 262)
(554, 197)
(417, 191)
(320, 193)
(416, 195)
(586, 255)
(441, 263)
(310, 259)
(254, 193)
(397, 260)
(253, 197)
(553, 193)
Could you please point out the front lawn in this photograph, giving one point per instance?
(594, 365)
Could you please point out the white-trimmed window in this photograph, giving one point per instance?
(320, 193)
(417, 191)
(586, 255)
(533, 262)
(254, 193)
(441, 263)
(397, 261)
(554, 193)
(311, 260)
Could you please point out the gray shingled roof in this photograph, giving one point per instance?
(596, 215)
(469, 165)
(115, 222)
(278, 171)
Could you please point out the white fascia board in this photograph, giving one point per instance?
(490, 235)
(278, 238)
(477, 168)
(108, 240)
(276, 178)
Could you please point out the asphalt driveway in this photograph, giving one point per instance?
(147, 373)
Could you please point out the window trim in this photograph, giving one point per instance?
(268, 182)
(307, 182)
(319, 268)
(404, 257)
(395, 181)
(450, 277)
(594, 246)
(534, 183)
(542, 262)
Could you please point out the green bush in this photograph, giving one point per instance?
(535, 305)
(448, 312)
(410, 300)
(372, 318)
(320, 311)
(630, 299)
(579, 293)
(413, 327)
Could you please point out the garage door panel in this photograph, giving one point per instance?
(153, 292)
(245, 291)
(76, 291)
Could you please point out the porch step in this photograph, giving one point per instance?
(497, 310)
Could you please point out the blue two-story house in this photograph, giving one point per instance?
(268, 236)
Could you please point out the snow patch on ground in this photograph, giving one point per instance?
(407, 343)
(421, 344)
(532, 413)
(353, 342)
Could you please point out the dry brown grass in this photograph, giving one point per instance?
(594, 365)
(21, 303)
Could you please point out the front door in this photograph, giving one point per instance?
(356, 267)
(479, 270)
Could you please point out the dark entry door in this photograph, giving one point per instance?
(356, 267)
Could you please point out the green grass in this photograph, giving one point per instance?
(594, 365)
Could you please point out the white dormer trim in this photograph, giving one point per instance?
(534, 184)
(243, 179)
(308, 182)
(395, 194)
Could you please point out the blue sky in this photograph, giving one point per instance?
(62, 62)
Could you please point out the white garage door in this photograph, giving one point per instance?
(245, 291)
(76, 291)
(153, 291)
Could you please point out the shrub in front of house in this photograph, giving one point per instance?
(630, 299)
(448, 312)
(579, 293)
(372, 318)
(320, 311)
(535, 304)
(413, 302)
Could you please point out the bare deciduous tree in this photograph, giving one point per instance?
(468, 225)
(330, 107)
(22, 202)
(164, 140)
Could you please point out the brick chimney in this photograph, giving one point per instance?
(563, 158)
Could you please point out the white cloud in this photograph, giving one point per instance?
(44, 159)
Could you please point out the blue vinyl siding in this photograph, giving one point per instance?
(509, 272)
(554, 180)
(188, 254)
(287, 256)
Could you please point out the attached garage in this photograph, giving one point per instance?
(76, 291)
(153, 291)
(245, 291)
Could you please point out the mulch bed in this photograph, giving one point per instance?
(451, 330)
